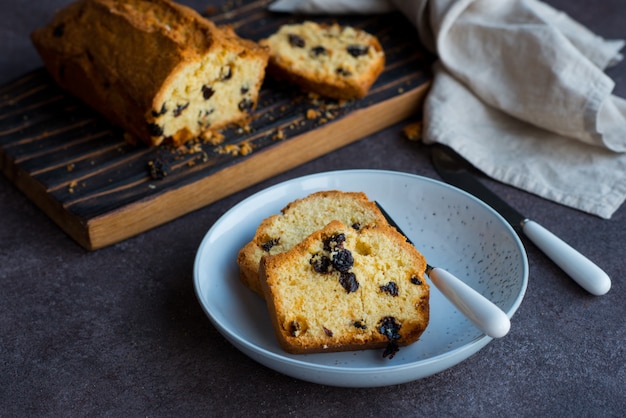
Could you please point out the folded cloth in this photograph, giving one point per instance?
(519, 91)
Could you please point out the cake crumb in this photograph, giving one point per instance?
(71, 188)
(245, 148)
(413, 131)
(279, 135)
(212, 137)
(242, 149)
(312, 114)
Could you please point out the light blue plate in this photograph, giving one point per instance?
(451, 228)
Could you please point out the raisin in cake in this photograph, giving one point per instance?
(156, 68)
(299, 219)
(336, 61)
(345, 289)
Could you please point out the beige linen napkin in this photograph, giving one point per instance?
(519, 91)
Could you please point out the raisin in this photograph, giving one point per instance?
(349, 282)
(154, 129)
(160, 112)
(318, 50)
(359, 324)
(357, 50)
(391, 350)
(58, 30)
(179, 109)
(225, 73)
(343, 72)
(245, 104)
(269, 244)
(389, 327)
(415, 280)
(244, 89)
(334, 241)
(203, 114)
(342, 260)
(390, 288)
(159, 169)
(294, 328)
(356, 226)
(207, 92)
(328, 332)
(320, 263)
(296, 40)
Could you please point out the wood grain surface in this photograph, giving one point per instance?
(99, 189)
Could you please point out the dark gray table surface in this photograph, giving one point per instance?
(119, 331)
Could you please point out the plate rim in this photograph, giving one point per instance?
(259, 353)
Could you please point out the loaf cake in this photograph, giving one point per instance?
(156, 68)
(339, 62)
(344, 289)
(299, 219)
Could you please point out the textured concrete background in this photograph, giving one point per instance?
(119, 331)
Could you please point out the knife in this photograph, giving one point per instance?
(485, 314)
(454, 170)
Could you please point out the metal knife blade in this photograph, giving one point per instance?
(454, 169)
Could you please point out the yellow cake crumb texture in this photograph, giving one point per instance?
(334, 61)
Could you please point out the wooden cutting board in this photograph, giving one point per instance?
(101, 190)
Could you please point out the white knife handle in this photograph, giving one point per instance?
(481, 311)
(591, 277)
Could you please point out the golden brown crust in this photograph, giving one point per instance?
(315, 309)
(297, 220)
(319, 61)
(124, 57)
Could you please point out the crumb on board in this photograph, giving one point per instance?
(241, 149)
(312, 114)
(212, 137)
(245, 148)
(71, 188)
(190, 147)
(244, 128)
(279, 135)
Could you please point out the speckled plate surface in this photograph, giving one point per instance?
(451, 228)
